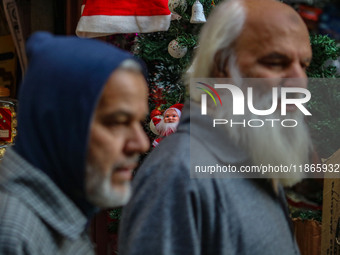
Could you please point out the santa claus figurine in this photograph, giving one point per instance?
(166, 124)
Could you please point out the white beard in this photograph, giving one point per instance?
(166, 129)
(100, 191)
(269, 145)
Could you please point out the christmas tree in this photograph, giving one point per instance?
(168, 54)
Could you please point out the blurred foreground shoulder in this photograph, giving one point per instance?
(170, 157)
(161, 217)
(18, 227)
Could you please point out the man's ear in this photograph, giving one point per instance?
(220, 70)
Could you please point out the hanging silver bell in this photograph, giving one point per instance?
(197, 15)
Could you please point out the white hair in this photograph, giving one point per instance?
(99, 189)
(130, 64)
(267, 145)
(223, 27)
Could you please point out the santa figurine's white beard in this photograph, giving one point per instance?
(165, 129)
(270, 145)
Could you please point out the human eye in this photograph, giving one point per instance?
(115, 123)
(305, 65)
(275, 61)
(116, 120)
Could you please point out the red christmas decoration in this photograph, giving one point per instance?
(102, 17)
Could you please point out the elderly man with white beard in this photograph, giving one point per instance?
(175, 210)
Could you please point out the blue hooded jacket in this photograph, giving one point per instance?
(57, 100)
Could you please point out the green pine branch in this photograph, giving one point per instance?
(325, 102)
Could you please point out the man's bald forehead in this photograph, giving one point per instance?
(257, 9)
(268, 18)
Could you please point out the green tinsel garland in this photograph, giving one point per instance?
(115, 215)
(325, 102)
(307, 215)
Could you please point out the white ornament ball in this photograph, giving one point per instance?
(173, 4)
(175, 50)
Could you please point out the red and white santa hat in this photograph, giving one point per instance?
(177, 108)
(103, 17)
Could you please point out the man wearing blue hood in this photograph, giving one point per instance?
(79, 138)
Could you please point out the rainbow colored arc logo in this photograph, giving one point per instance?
(209, 93)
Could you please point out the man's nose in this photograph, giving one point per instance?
(138, 142)
(296, 71)
(295, 77)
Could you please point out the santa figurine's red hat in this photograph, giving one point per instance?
(177, 108)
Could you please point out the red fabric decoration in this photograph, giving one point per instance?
(177, 106)
(156, 141)
(106, 17)
(157, 96)
(154, 113)
(156, 120)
